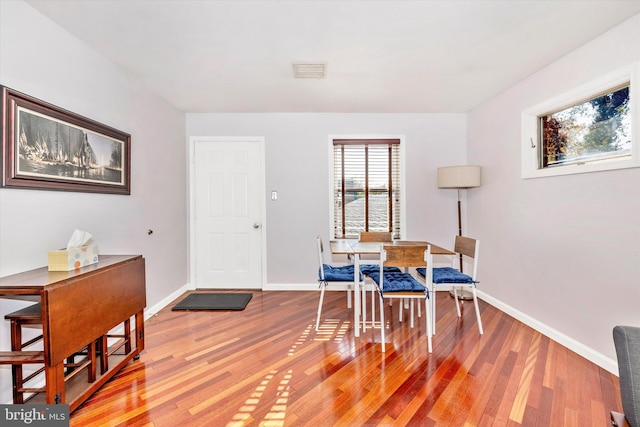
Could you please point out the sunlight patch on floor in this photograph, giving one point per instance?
(276, 415)
(301, 340)
(332, 330)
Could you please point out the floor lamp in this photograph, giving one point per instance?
(459, 178)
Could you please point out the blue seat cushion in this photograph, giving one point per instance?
(343, 273)
(447, 275)
(398, 282)
(369, 269)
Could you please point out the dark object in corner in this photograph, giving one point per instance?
(627, 342)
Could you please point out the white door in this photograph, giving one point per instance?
(228, 207)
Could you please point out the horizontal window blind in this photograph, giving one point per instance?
(366, 186)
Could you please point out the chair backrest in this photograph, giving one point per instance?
(404, 255)
(320, 256)
(375, 236)
(627, 343)
(470, 248)
(407, 256)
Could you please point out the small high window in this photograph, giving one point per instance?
(591, 128)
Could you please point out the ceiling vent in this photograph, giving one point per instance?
(310, 70)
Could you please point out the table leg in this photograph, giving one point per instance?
(356, 295)
(140, 331)
(54, 380)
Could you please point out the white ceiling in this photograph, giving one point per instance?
(383, 56)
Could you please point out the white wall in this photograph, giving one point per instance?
(40, 59)
(563, 250)
(297, 150)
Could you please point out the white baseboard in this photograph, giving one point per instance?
(587, 352)
(152, 311)
(294, 287)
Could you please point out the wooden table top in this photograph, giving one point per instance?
(40, 278)
(354, 246)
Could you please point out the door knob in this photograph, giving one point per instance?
(256, 225)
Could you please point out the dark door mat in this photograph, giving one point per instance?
(214, 301)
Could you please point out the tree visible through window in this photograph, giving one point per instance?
(366, 186)
(596, 129)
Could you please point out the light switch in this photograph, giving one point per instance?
(274, 195)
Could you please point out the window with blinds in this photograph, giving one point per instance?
(366, 186)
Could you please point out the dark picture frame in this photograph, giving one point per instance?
(48, 148)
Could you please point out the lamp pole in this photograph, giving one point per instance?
(459, 178)
(460, 222)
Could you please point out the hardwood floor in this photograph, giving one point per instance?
(268, 366)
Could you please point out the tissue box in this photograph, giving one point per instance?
(70, 259)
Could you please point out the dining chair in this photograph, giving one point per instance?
(403, 285)
(30, 317)
(627, 343)
(451, 277)
(371, 266)
(334, 275)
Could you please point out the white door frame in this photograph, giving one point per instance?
(263, 204)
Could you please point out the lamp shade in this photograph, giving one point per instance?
(467, 176)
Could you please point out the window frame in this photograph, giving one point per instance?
(402, 173)
(530, 135)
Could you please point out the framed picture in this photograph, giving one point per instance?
(45, 147)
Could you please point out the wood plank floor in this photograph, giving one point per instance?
(268, 366)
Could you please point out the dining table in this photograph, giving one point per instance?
(354, 248)
(78, 308)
